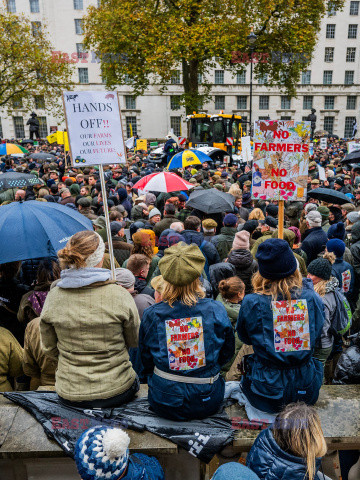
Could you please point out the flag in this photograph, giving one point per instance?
(52, 138)
(354, 129)
(130, 142)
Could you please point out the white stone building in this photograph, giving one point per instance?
(330, 85)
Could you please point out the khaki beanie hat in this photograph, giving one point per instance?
(182, 264)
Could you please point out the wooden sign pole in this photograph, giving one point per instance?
(281, 220)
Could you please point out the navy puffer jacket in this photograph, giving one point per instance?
(270, 462)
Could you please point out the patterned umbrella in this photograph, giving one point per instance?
(18, 180)
(162, 182)
(188, 157)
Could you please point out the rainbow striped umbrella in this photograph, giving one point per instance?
(11, 148)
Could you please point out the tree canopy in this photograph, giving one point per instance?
(148, 41)
(27, 66)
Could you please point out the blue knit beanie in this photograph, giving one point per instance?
(102, 452)
(336, 246)
(337, 230)
(233, 470)
(230, 220)
(276, 259)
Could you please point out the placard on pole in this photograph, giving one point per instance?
(281, 162)
(93, 123)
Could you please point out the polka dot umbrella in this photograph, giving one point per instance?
(18, 180)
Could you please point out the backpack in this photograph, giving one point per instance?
(341, 321)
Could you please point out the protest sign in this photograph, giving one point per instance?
(323, 143)
(246, 149)
(322, 174)
(281, 160)
(353, 146)
(141, 144)
(94, 127)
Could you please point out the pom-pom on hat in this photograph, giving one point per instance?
(276, 259)
(102, 452)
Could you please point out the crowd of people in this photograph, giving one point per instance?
(197, 301)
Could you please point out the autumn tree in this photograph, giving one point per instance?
(27, 66)
(147, 41)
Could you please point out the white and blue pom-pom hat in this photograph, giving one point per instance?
(102, 453)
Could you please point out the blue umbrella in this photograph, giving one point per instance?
(37, 229)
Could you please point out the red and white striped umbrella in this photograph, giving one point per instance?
(162, 182)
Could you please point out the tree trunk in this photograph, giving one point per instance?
(191, 86)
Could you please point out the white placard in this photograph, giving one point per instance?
(94, 128)
(353, 146)
(246, 149)
(322, 174)
(323, 143)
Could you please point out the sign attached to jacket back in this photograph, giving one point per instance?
(281, 160)
(94, 127)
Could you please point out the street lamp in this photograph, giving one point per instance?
(251, 40)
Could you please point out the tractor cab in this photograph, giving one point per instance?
(218, 131)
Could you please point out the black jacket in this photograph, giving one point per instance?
(141, 287)
(207, 248)
(245, 266)
(314, 242)
(348, 367)
(11, 292)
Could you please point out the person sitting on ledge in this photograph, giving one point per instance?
(184, 340)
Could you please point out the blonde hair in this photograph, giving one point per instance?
(320, 287)
(257, 214)
(235, 190)
(297, 430)
(186, 294)
(283, 286)
(78, 249)
(42, 192)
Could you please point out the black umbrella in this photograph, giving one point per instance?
(353, 157)
(328, 195)
(43, 156)
(18, 180)
(211, 201)
(24, 142)
(331, 135)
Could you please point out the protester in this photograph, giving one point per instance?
(291, 448)
(314, 239)
(85, 376)
(240, 256)
(103, 452)
(277, 373)
(196, 360)
(11, 355)
(223, 242)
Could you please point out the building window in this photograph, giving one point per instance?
(244, 124)
(175, 79)
(200, 78)
(329, 102)
(327, 78)
(80, 50)
(242, 102)
(306, 77)
(331, 9)
(349, 126)
(39, 102)
(354, 8)
(350, 54)
(175, 102)
(219, 77)
(241, 78)
(262, 79)
(175, 125)
(34, 6)
(285, 103)
(349, 77)
(11, 7)
(264, 102)
(351, 103)
(35, 28)
(131, 126)
(43, 131)
(264, 117)
(329, 124)
(130, 102)
(285, 117)
(305, 118)
(352, 31)
(330, 30)
(17, 103)
(308, 102)
(78, 26)
(1, 130)
(19, 127)
(219, 102)
(78, 5)
(329, 54)
(83, 75)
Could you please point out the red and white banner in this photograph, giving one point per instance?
(182, 141)
(230, 141)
